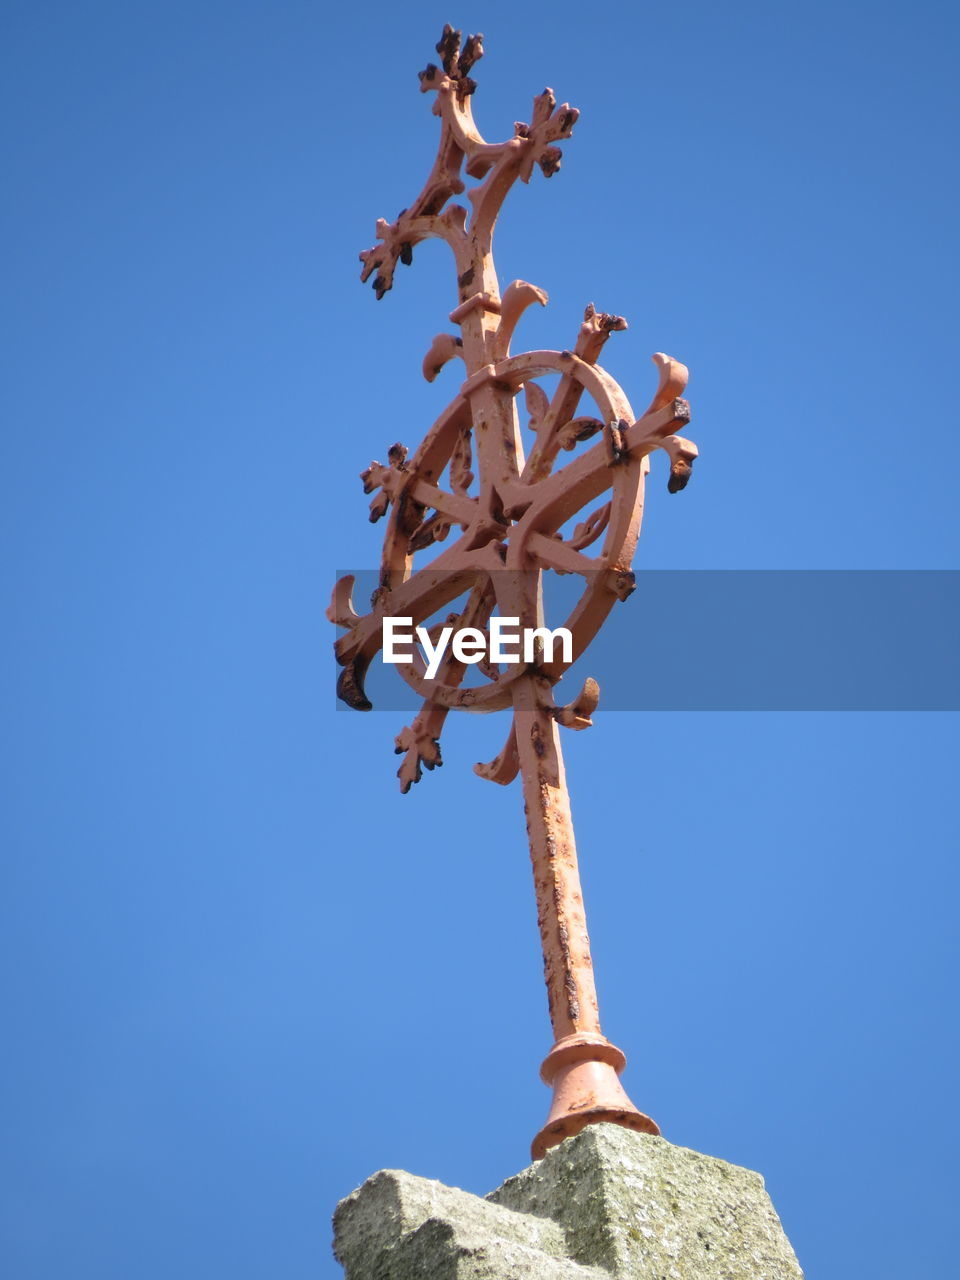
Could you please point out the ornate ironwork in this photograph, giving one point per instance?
(472, 473)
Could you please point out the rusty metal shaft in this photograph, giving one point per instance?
(583, 1067)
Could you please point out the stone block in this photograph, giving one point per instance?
(398, 1226)
(606, 1203)
(643, 1209)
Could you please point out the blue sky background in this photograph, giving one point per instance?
(241, 971)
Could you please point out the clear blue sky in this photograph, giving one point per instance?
(242, 972)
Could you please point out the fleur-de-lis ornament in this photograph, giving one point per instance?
(512, 507)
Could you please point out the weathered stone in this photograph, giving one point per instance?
(397, 1226)
(462, 1251)
(646, 1210)
(608, 1202)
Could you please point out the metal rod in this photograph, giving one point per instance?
(583, 1066)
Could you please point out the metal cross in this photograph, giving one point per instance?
(513, 522)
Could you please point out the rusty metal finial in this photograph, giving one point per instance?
(511, 517)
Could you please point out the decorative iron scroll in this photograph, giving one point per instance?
(503, 511)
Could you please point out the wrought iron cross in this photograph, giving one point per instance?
(513, 525)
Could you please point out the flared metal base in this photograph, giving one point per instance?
(583, 1070)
